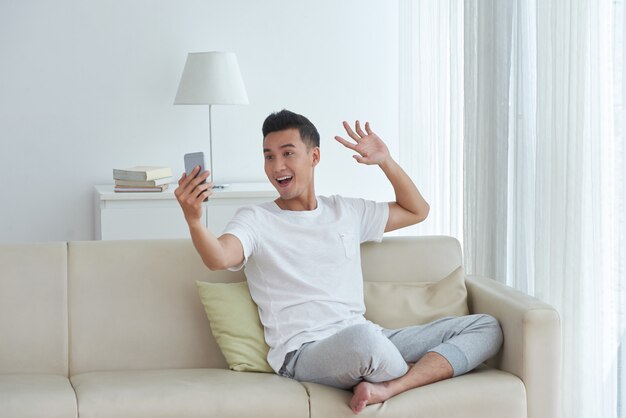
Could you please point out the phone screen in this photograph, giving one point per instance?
(192, 160)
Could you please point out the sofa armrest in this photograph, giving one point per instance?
(532, 341)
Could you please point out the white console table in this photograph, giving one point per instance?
(153, 215)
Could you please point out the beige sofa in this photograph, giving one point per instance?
(116, 329)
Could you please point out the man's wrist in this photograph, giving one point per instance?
(195, 223)
(387, 163)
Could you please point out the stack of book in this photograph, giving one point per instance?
(142, 179)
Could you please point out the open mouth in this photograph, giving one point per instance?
(284, 181)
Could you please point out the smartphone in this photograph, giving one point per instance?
(192, 160)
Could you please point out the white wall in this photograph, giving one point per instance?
(86, 86)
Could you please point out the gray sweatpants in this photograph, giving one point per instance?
(366, 352)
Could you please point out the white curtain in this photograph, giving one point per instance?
(431, 109)
(512, 123)
(487, 69)
(544, 175)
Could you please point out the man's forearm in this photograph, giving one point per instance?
(207, 245)
(407, 194)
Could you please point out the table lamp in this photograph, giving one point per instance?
(211, 78)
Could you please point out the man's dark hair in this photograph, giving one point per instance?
(280, 121)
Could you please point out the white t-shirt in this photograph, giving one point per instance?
(304, 267)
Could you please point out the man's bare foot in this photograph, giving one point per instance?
(431, 368)
(366, 393)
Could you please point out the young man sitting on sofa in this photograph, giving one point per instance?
(299, 254)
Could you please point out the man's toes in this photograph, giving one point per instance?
(360, 406)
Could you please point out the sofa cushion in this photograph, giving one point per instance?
(235, 324)
(33, 308)
(188, 393)
(36, 395)
(483, 393)
(415, 303)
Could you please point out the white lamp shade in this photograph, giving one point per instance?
(211, 78)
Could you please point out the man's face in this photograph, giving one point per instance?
(289, 163)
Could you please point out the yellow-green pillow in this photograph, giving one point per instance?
(395, 305)
(235, 324)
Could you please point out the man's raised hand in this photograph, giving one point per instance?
(370, 148)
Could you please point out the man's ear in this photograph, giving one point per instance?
(316, 155)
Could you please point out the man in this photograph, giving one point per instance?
(301, 259)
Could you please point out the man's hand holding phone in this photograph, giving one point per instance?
(193, 189)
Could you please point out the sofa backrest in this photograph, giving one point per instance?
(33, 308)
(410, 259)
(135, 305)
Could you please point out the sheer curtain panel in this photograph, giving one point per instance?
(544, 186)
(431, 109)
(487, 69)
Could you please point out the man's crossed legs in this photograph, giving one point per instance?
(373, 361)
